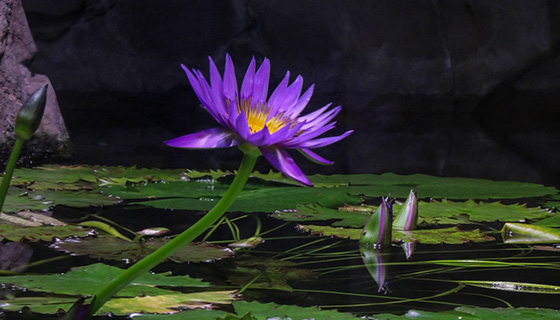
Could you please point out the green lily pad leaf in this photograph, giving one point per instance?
(44, 305)
(14, 232)
(258, 199)
(21, 200)
(88, 280)
(121, 250)
(29, 219)
(526, 233)
(164, 304)
(451, 235)
(271, 273)
(468, 313)
(448, 212)
(514, 286)
(196, 314)
(264, 311)
(399, 186)
(442, 212)
(316, 212)
(53, 174)
(553, 221)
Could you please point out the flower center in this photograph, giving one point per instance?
(258, 117)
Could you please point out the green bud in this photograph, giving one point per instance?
(30, 115)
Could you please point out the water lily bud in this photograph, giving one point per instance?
(377, 232)
(407, 219)
(30, 115)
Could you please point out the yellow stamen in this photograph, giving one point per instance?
(257, 115)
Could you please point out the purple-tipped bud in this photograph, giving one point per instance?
(407, 219)
(377, 232)
(30, 115)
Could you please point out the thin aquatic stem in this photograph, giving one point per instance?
(144, 265)
(10, 170)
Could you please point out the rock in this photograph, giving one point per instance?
(18, 83)
(406, 72)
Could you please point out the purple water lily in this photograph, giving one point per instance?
(272, 125)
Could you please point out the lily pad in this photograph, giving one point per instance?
(21, 200)
(476, 313)
(163, 304)
(452, 235)
(14, 232)
(88, 280)
(121, 250)
(448, 212)
(250, 200)
(196, 314)
(264, 311)
(373, 185)
(442, 212)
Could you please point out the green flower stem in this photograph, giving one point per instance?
(144, 265)
(10, 171)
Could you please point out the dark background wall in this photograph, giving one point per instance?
(451, 88)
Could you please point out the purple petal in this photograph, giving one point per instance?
(195, 84)
(314, 157)
(210, 138)
(301, 103)
(247, 85)
(292, 94)
(277, 96)
(313, 115)
(260, 83)
(318, 143)
(230, 81)
(282, 161)
(242, 126)
(217, 90)
(260, 138)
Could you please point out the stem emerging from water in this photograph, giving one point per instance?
(10, 171)
(144, 265)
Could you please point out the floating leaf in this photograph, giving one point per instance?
(448, 212)
(21, 200)
(263, 311)
(476, 313)
(30, 219)
(167, 303)
(514, 286)
(315, 212)
(553, 221)
(526, 233)
(250, 200)
(373, 185)
(121, 250)
(196, 314)
(451, 235)
(88, 280)
(41, 233)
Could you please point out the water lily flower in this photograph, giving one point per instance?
(248, 116)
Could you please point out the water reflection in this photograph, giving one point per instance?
(375, 261)
(14, 256)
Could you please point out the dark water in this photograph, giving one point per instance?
(335, 275)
